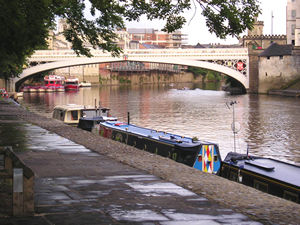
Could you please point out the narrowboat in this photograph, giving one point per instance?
(265, 174)
(90, 118)
(72, 84)
(269, 175)
(201, 155)
(71, 113)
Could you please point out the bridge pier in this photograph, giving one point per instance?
(253, 70)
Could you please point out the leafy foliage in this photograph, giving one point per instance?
(229, 17)
(25, 24)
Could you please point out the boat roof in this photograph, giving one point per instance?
(154, 134)
(54, 77)
(268, 167)
(72, 79)
(73, 107)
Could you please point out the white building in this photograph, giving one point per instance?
(293, 22)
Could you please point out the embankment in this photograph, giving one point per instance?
(258, 205)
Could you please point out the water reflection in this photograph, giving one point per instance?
(269, 125)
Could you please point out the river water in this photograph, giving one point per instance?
(269, 125)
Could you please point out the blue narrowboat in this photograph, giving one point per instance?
(265, 174)
(201, 155)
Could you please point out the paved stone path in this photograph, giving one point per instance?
(75, 185)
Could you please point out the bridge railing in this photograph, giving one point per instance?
(207, 52)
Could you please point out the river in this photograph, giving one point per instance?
(269, 125)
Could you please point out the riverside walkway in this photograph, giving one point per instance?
(99, 181)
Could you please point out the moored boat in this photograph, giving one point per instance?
(25, 89)
(54, 83)
(90, 118)
(265, 174)
(71, 113)
(72, 84)
(201, 155)
(33, 89)
(85, 84)
(268, 175)
(41, 89)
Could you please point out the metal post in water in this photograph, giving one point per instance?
(233, 127)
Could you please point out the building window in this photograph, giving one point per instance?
(293, 29)
(293, 13)
(281, 57)
(268, 57)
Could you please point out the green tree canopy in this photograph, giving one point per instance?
(25, 24)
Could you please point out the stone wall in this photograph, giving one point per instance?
(154, 77)
(253, 70)
(91, 73)
(263, 41)
(276, 72)
(16, 185)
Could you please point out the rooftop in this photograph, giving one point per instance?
(277, 50)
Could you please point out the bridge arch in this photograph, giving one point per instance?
(166, 60)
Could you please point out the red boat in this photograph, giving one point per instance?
(54, 83)
(72, 84)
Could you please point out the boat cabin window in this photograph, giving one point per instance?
(215, 158)
(89, 113)
(59, 114)
(74, 115)
(260, 186)
(290, 196)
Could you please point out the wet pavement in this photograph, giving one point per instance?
(74, 185)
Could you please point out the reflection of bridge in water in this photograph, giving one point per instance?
(233, 62)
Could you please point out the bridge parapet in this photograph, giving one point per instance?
(201, 54)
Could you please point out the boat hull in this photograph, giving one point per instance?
(185, 153)
(71, 87)
(261, 173)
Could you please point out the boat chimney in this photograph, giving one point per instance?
(128, 118)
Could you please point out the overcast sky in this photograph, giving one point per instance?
(198, 32)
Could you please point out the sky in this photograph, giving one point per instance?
(198, 32)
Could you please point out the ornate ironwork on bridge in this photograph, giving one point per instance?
(239, 65)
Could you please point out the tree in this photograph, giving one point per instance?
(25, 24)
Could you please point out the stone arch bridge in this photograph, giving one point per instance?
(233, 62)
